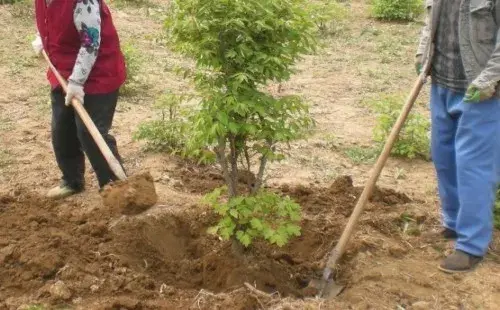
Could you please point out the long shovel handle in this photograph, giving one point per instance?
(338, 251)
(113, 163)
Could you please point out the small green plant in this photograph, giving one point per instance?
(36, 307)
(132, 63)
(264, 215)
(239, 47)
(5, 158)
(21, 9)
(329, 16)
(413, 140)
(132, 3)
(362, 155)
(397, 10)
(10, 1)
(171, 131)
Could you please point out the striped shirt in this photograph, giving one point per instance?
(447, 66)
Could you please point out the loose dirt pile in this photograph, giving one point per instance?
(132, 196)
(55, 254)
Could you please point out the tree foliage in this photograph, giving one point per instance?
(239, 47)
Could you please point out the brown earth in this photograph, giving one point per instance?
(79, 254)
(131, 196)
(46, 245)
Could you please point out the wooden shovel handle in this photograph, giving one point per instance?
(113, 163)
(338, 251)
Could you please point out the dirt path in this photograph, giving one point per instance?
(163, 259)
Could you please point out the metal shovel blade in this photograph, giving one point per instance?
(325, 287)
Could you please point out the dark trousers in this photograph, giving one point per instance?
(71, 139)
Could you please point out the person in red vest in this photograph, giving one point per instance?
(82, 43)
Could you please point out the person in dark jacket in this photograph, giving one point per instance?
(82, 43)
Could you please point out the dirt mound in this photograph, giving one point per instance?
(132, 196)
(60, 254)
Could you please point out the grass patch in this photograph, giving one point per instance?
(19, 64)
(397, 10)
(5, 158)
(413, 140)
(133, 3)
(133, 61)
(362, 155)
(21, 9)
(6, 124)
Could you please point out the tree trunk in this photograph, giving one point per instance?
(222, 159)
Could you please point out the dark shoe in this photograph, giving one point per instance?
(459, 261)
(449, 234)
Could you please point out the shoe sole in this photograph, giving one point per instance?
(59, 197)
(449, 271)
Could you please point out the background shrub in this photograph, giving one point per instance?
(413, 140)
(402, 10)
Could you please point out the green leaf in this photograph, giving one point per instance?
(234, 213)
(256, 224)
(245, 239)
(292, 229)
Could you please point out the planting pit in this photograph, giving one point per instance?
(164, 259)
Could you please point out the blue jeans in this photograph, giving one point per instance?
(465, 148)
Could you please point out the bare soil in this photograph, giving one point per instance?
(100, 254)
(80, 254)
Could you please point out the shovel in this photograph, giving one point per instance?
(326, 287)
(131, 195)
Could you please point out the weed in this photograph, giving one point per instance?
(413, 140)
(21, 9)
(36, 307)
(132, 3)
(330, 16)
(19, 64)
(132, 61)
(362, 155)
(5, 158)
(397, 10)
(6, 124)
(169, 132)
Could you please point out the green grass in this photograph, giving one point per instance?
(19, 64)
(21, 9)
(5, 158)
(362, 155)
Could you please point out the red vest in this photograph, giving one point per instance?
(61, 41)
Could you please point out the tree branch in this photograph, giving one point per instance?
(262, 168)
(234, 162)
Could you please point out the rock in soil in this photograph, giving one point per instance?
(6, 253)
(59, 290)
(132, 196)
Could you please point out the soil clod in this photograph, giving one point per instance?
(132, 196)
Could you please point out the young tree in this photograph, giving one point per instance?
(239, 46)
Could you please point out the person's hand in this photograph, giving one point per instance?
(477, 94)
(37, 45)
(74, 91)
(418, 64)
